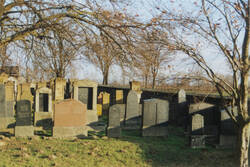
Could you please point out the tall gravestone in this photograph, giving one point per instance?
(197, 138)
(24, 127)
(43, 107)
(119, 96)
(70, 119)
(86, 92)
(181, 113)
(155, 117)
(7, 108)
(114, 129)
(132, 115)
(228, 129)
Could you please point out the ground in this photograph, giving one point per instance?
(130, 150)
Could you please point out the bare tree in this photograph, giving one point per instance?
(223, 26)
(103, 53)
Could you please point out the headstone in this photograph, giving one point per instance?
(24, 92)
(86, 92)
(132, 115)
(43, 115)
(59, 89)
(119, 96)
(155, 117)
(114, 129)
(197, 124)
(2, 101)
(70, 119)
(23, 126)
(7, 119)
(105, 102)
(99, 109)
(197, 138)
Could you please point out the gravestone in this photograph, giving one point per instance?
(197, 138)
(24, 127)
(59, 89)
(114, 129)
(43, 107)
(119, 96)
(86, 92)
(7, 119)
(105, 102)
(155, 117)
(132, 115)
(70, 119)
(197, 124)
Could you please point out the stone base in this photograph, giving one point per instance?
(64, 132)
(155, 131)
(24, 131)
(43, 119)
(197, 141)
(114, 132)
(92, 116)
(228, 141)
(7, 122)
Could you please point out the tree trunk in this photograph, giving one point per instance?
(243, 145)
(105, 77)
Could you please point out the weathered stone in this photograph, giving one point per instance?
(24, 131)
(105, 102)
(2, 101)
(132, 116)
(24, 92)
(43, 115)
(197, 141)
(59, 89)
(7, 122)
(135, 85)
(197, 124)
(64, 132)
(119, 96)
(155, 117)
(114, 129)
(200, 107)
(99, 109)
(91, 97)
(181, 96)
(69, 119)
(23, 115)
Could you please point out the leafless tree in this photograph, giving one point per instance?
(222, 25)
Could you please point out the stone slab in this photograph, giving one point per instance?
(23, 113)
(24, 131)
(197, 141)
(70, 113)
(64, 132)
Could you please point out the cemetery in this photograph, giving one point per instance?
(65, 115)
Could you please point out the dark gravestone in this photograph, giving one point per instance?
(114, 129)
(132, 115)
(23, 111)
(2, 101)
(155, 117)
(43, 102)
(85, 95)
(197, 138)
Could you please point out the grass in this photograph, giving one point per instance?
(130, 150)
